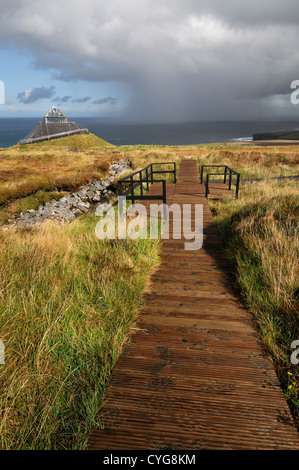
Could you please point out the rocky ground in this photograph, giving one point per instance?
(96, 196)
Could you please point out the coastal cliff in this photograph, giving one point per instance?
(282, 135)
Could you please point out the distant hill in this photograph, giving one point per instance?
(279, 135)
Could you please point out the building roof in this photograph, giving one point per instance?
(55, 115)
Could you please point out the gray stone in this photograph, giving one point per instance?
(73, 200)
(90, 194)
(82, 193)
(96, 198)
(45, 211)
(83, 206)
(119, 167)
(106, 182)
(63, 214)
(76, 211)
(98, 186)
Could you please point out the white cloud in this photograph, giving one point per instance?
(35, 94)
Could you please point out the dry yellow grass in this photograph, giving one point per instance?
(62, 164)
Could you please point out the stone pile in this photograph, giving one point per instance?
(96, 196)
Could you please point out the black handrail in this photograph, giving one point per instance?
(146, 175)
(227, 172)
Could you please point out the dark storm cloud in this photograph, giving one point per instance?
(180, 59)
(35, 94)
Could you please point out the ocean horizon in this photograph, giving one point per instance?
(191, 133)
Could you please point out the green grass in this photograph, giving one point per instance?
(67, 301)
(77, 142)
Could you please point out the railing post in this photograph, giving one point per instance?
(224, 181)
(201, 174)
(237, 186)
(132, 189)
(207, 185)
(174, 172)
(164, 199)
(152, 174)
(119, 188)
(230, 180)
(164, 191)
(141, 183)
(147, 183)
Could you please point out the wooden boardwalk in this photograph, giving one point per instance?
(194, 375)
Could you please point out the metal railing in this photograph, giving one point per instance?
(53, 136)
(228, 172)
(145, 176)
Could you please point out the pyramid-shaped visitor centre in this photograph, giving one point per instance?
(55, 125)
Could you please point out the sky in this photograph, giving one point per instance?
(150, 61)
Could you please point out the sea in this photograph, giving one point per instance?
(189, 133)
